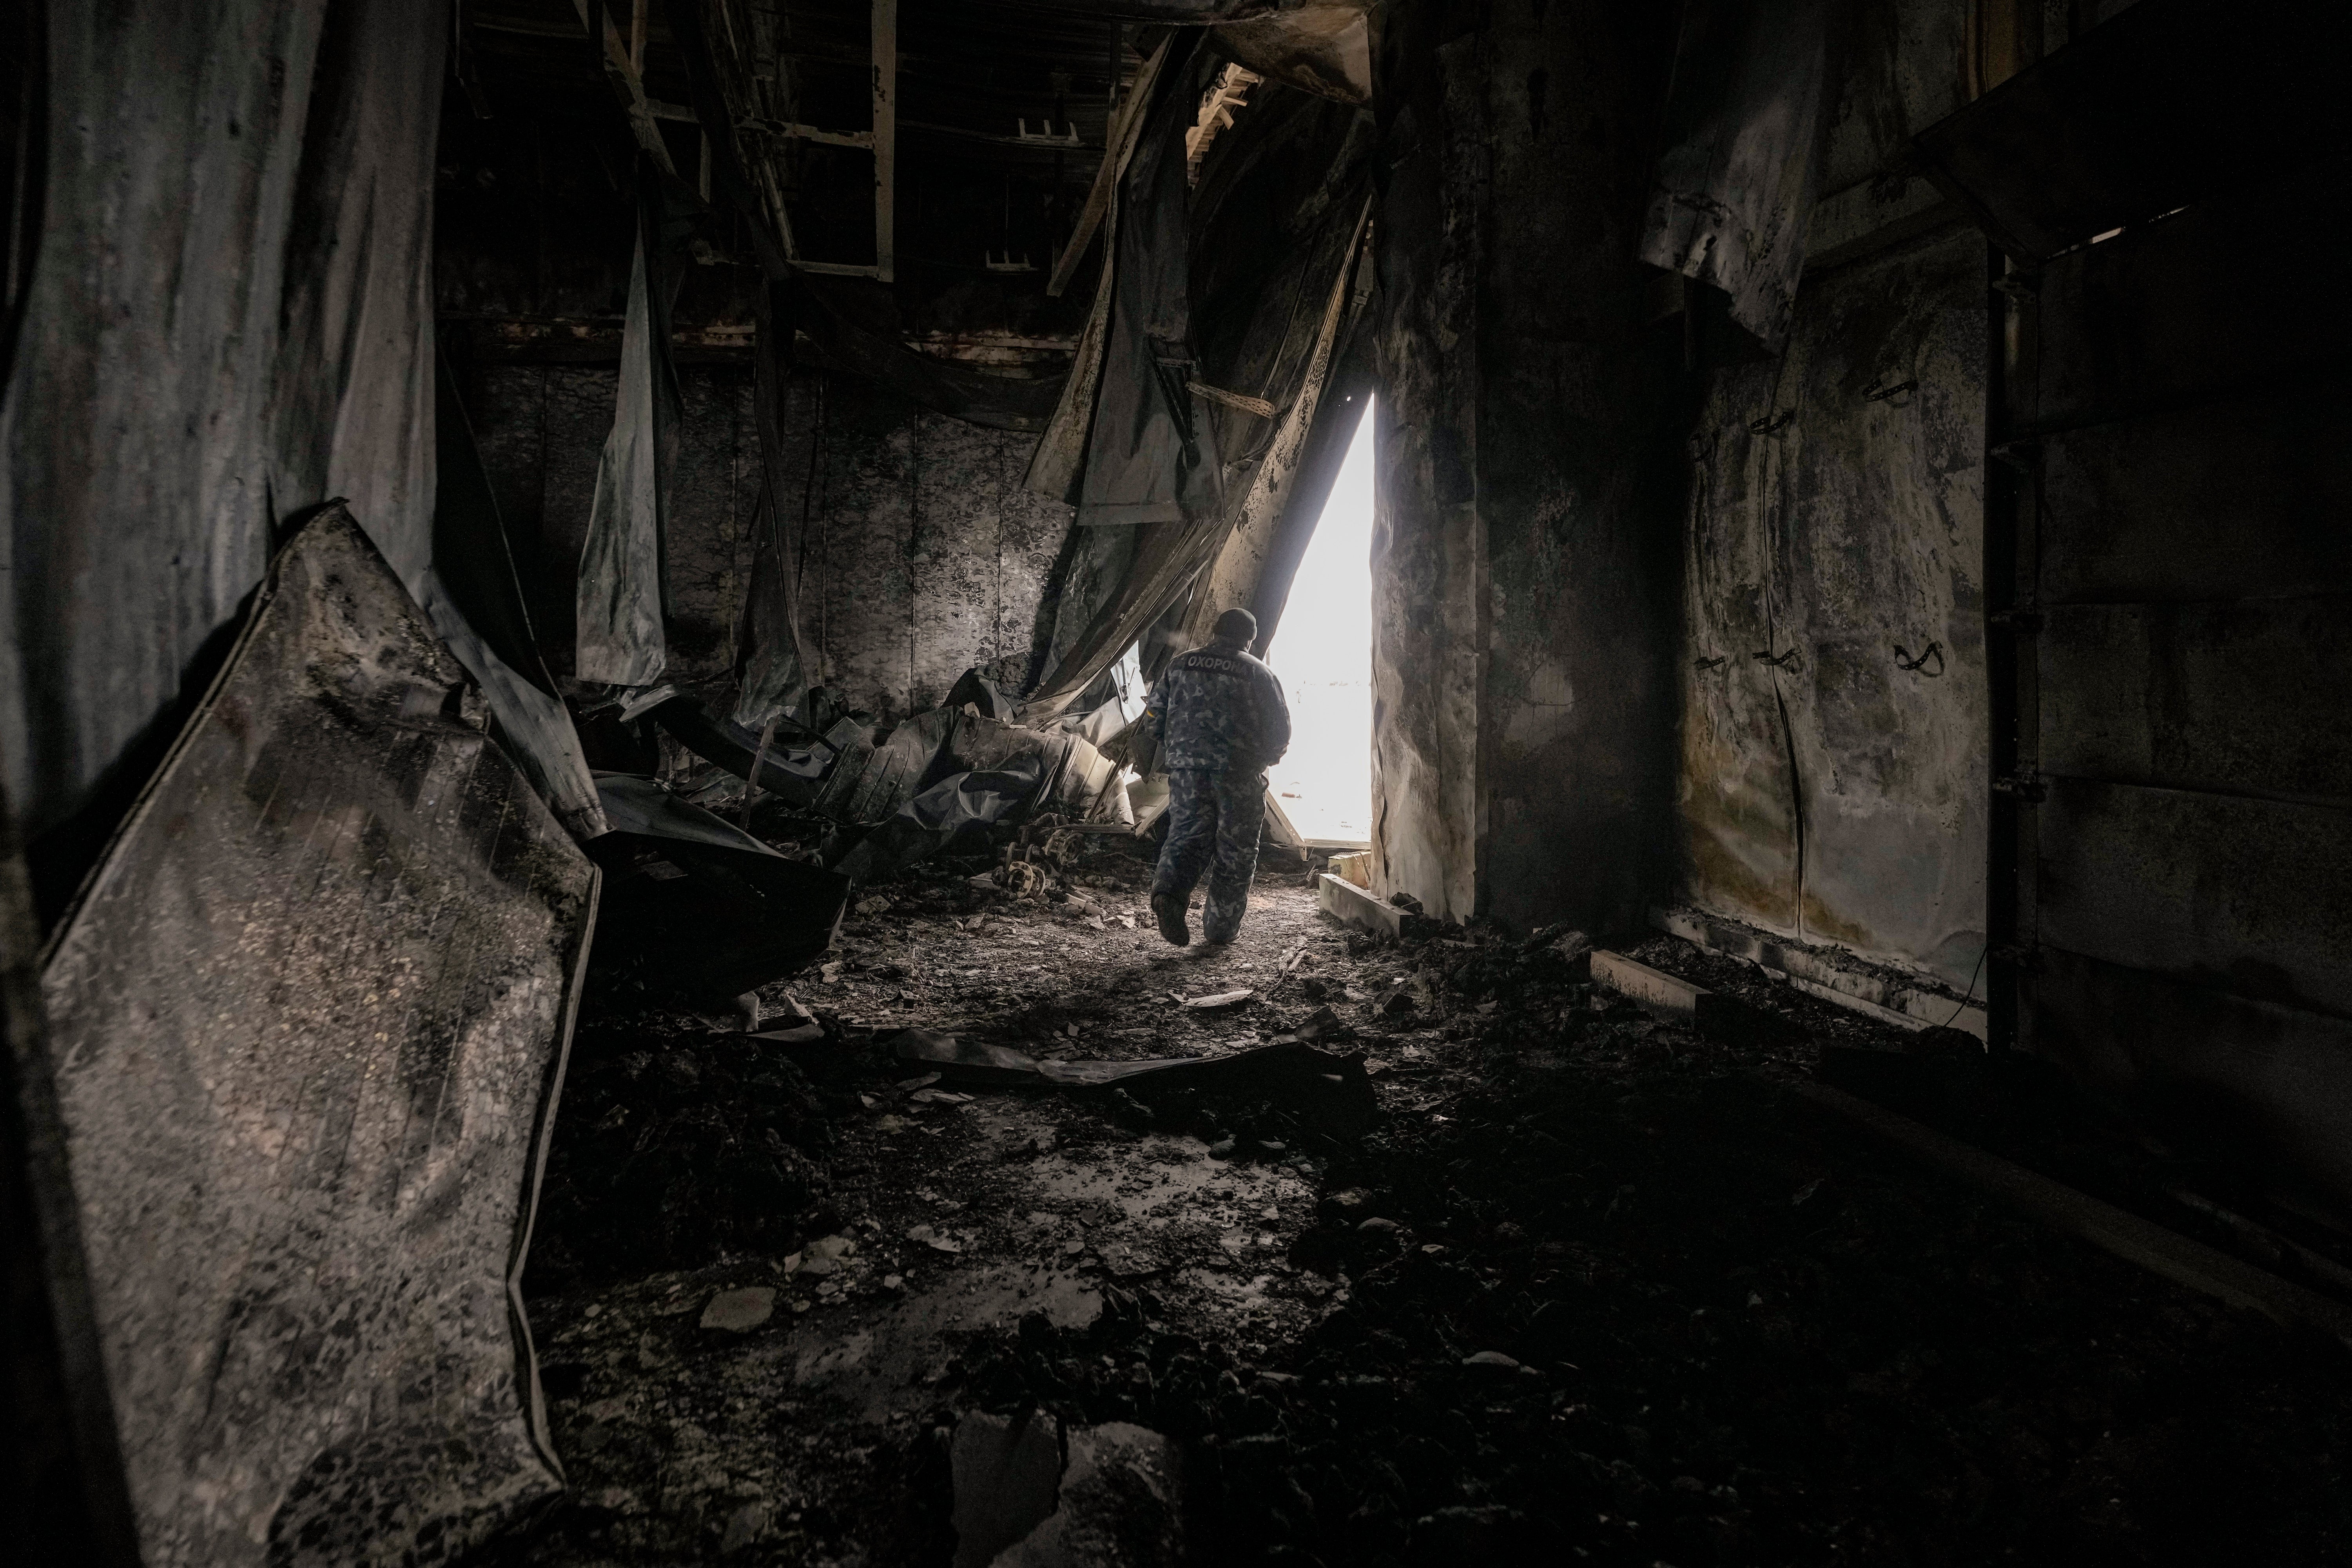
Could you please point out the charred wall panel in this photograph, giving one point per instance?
(2218, 501)
(2167, 314)
(2183, 590)
(863, 634)
(2241, 894)
(2214, 696)
(1828, 791)
(714, 505)
(2227, 1076)
(1429, 599)
(1579, 698)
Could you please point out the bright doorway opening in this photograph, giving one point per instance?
(1323, 652)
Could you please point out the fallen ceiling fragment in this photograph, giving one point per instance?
(310, 1020)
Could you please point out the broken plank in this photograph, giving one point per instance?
(1653, 989)
(886, 138)
(1355, 906)
(629, 87)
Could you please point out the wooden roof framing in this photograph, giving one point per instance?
(953, 99)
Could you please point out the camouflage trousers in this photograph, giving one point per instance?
(1213, 817)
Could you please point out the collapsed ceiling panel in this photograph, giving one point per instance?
(309, 1023)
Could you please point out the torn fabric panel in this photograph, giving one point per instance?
(622, 595)
(1744, 127)
(1059, 462)
(337, 900)
(1152, 456)
(471, 593)
(1169, 555)
(297, 297)
(772, 665)
(773, 673)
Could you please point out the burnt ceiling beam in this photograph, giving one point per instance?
(885, 138)
(623, 67)
(1121, 137)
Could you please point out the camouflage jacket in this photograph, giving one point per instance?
(1218, 708)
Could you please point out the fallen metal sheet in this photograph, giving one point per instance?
(1007, 775)
(633, 804)
(928, 779)
(983, 693)
(311, 1015)
(695, 905)
(1152, 455)
(930, 822)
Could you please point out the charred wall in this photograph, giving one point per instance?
(1832, 671)
(918, 554)
(1524, 547)
(1832, 785)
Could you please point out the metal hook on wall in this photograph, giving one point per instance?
(1935, 650)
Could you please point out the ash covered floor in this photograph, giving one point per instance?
(1596, 1288)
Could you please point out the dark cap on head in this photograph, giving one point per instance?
(1237, 626)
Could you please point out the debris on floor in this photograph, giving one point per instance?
(1572, 1283)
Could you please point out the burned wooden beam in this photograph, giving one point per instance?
(622, 68)
(1124, 127)
(885, 138)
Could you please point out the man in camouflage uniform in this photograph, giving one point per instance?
(1220, 719)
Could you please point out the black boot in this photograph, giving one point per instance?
(1169, 908)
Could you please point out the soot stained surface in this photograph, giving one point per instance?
(1599, 1288)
